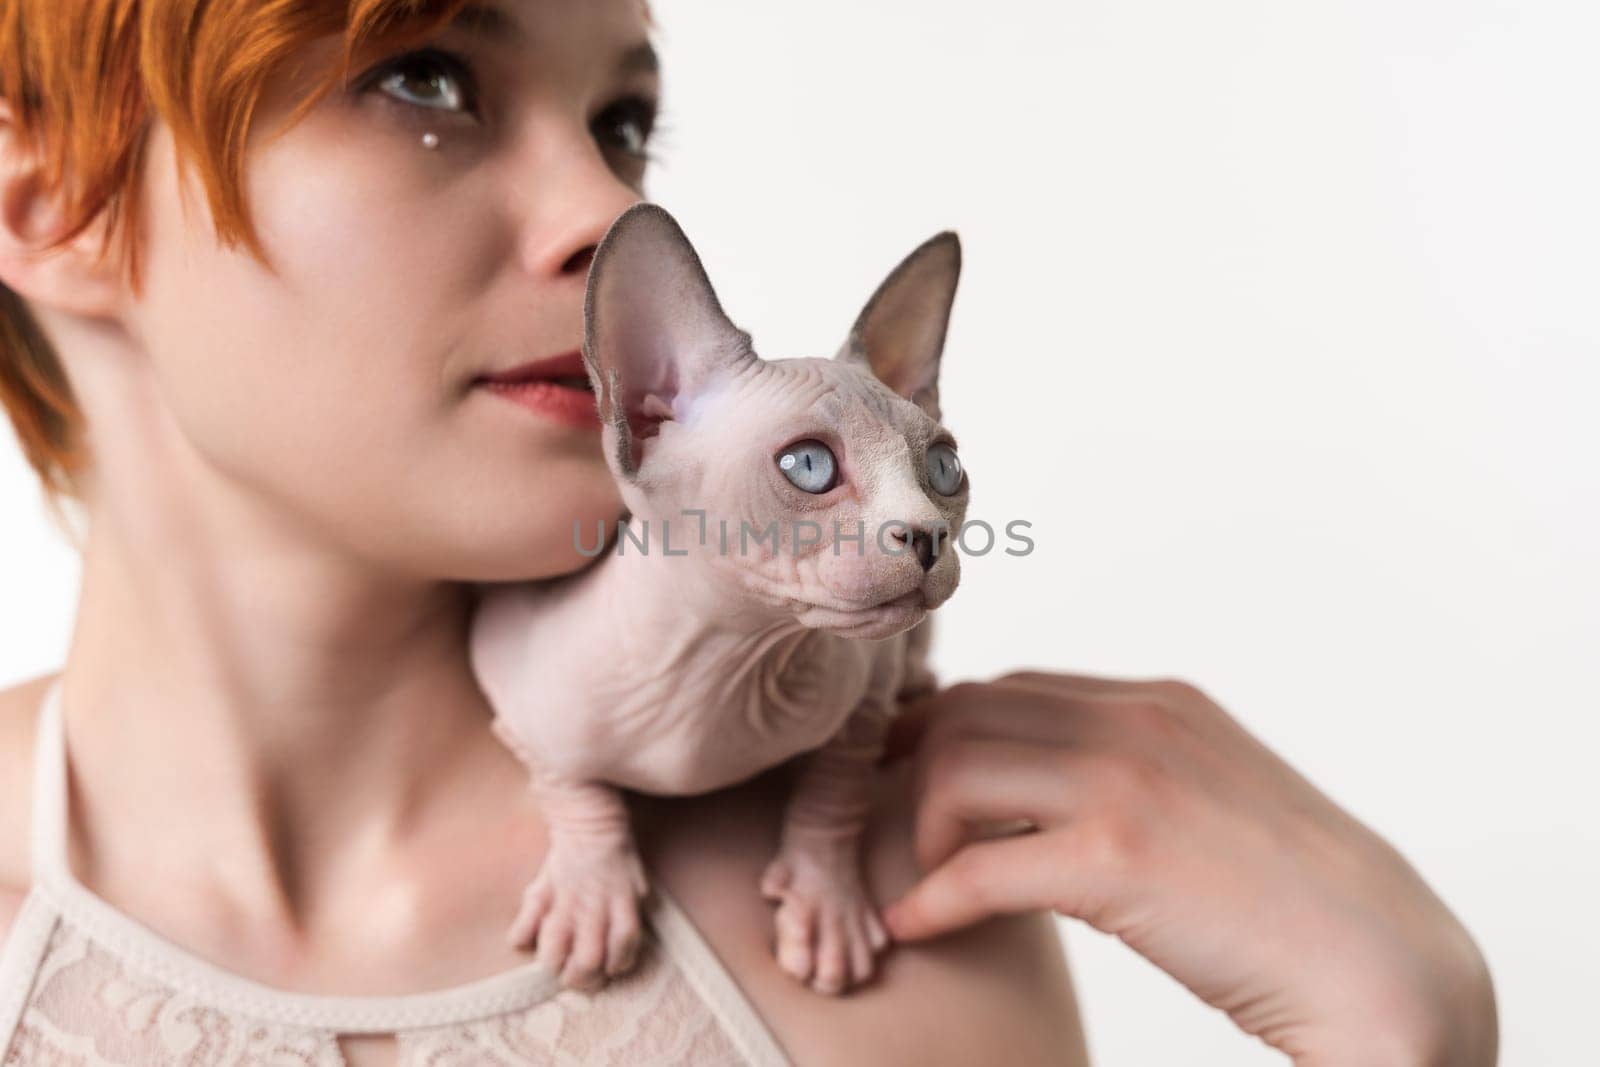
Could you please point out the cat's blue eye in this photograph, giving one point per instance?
(944, 469)
(809, 465)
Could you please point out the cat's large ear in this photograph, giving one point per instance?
(655, 336)
(900, 333)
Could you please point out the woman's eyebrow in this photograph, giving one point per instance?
(487, 21)
(640, 59)
(492, 23)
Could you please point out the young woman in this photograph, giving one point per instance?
(257, 259)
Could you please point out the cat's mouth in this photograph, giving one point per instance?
(883, 619)
(914, 599)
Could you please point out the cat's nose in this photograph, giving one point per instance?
(921, 543)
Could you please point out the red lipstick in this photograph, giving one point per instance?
(556, 387)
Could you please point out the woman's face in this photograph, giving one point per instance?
(341, 388)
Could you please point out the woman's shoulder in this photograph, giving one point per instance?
(999, 990)
(19, 713)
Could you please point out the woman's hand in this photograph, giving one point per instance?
(1152, 815)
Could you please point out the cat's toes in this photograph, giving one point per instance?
(795, 923)
(535, 903)
(775, 879)
(833, 954)
(828, 947)
(828, 932)
(605, 943)
(623, 936)
(877, 933)
(582, 911)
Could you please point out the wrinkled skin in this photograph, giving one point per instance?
(760, 645)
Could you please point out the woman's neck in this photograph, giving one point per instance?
(295, 715)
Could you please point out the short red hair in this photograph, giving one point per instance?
(84, 79)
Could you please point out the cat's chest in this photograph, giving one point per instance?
(717, 735)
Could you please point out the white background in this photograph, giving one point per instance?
(1280, 324)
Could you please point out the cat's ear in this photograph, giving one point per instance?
(900, 332)
(655, 336)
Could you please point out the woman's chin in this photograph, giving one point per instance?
(503, 548)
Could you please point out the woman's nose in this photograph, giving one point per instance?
(578, 262)
(581, 199)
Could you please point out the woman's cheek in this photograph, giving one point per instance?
(334, 382)
(257, 370)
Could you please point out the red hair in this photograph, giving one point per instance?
(85, 78)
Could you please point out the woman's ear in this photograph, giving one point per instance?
(71, 278)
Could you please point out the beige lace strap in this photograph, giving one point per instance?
(29, 935)
(687, 946)
(20, 956)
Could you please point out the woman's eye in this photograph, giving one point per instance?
(809, 465)
(428, 79)
(944, 469)
(626, 126)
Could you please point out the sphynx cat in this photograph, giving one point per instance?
(796, 517)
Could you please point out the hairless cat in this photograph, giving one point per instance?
(787, 532)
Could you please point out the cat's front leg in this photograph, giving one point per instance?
(828, 929)
(582, 908)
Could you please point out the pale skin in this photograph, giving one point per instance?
(681, 675)
(1148, 812)
(292, 480)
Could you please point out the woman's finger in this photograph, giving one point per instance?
(964, 784)
(992, 710)
(986, 878)
(914, 718)
(1085, 682)
(1085, 868)
(983, 879)
(1085, 685)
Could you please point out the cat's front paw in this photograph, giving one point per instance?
(828, 931)
(582, 909)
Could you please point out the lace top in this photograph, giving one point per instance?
(85, 985)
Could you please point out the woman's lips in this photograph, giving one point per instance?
(566, 365)
(548, 387)
(575, 407)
